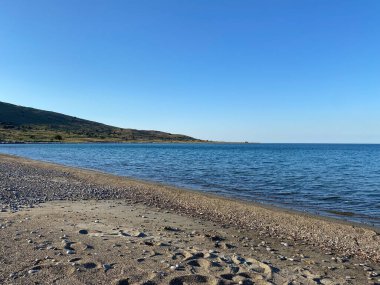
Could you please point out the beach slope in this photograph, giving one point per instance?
(61, 225)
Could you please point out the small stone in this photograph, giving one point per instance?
(238, 259)
(171, 229)
(12, 275)
(83, 232)
(70, 251)
(341, 259)
(87, 247)
(34, 269)
(107, 267)
(174, 267)
(139, 234)
(227, 246)
(367, 268)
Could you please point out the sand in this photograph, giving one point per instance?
(61, 225)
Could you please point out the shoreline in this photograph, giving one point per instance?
(66, 225)
(327, 215)
(270, 207)
(325, 232)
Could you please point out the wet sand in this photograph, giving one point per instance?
(61, 225)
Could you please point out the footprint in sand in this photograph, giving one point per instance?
(89, 265)
(122, 282)
(189, 279)
(223, 269)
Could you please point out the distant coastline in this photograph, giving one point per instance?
(127, 142)
(24, 124)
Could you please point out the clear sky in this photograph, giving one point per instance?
(267, 71)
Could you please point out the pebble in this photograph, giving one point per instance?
(12, 275)
(174, 267)
(227, 246)
(367, 268)
(138, 234)
(172, 229)
(238, 259)
(34, 269)
(107, 267)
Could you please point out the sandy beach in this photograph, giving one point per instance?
(61, 225)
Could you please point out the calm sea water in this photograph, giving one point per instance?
(341, 181)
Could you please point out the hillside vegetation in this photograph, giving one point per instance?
(22, 124)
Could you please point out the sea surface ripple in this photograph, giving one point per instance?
(336, 180)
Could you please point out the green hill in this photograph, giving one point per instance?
(22, 124)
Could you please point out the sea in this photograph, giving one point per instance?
(333, 180)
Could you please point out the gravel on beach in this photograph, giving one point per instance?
(27, 187)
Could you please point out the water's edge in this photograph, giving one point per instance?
(267, 175)
(256, 204)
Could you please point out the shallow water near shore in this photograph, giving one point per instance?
(341, 181)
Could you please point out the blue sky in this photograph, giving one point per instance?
(267, 71)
